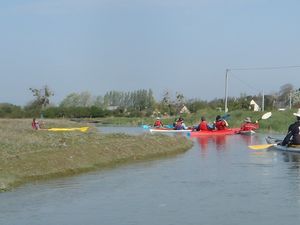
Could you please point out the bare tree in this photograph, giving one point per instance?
(42, 96)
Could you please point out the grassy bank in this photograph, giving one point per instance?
(27, 155)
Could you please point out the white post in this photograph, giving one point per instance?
(226, 90)
(263, 101)
(290, 99)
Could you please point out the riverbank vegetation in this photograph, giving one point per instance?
(141, 103)
(27, 154)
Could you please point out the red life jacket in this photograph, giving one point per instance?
(249, 126)
(158, 123)
(203, 125)
(35, 125)
(221, 125)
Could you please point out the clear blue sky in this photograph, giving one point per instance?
(177, 45)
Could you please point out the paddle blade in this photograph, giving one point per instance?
(266, 115)
(83, 129)
(258, 147)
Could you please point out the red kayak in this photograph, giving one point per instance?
(215, 132)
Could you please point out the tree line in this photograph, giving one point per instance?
(138, 103)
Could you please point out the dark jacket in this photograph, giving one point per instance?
(293, 135)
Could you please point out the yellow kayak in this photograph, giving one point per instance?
(82, 129)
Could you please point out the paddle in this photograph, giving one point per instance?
(225, 117)
(265, 116)
(259, 147)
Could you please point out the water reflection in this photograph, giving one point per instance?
(291, 157)
(251, 139)
(218, 142)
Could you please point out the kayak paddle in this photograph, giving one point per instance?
(82, 129)
(265, 116)
(259, 147)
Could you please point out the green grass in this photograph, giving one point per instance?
(27, 155)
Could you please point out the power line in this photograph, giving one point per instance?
(252, 68)
(265, 68)
(252, 88)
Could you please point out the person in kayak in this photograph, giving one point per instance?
(220, 124)
(248, 125)
(180, 125)
(203, 125)
(35, 124)
(158, 123)
(293, 135)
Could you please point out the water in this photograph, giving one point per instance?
(218, 181)
(121, 129)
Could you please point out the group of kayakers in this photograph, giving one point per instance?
(292, 137)
(219, 124)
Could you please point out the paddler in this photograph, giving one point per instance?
(158, 123)
(248, 125)
(220, 124)
(35, 124)
(180, 125)
(203, 125)
(293, 135)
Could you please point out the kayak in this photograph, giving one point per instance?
(168, 130)
(275, 145)
(214, 132)
(149, 126)
(246, 132)
(82, 129)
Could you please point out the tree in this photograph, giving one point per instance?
(284, 94)
(180, 100)
(84, 99)
(42, 98)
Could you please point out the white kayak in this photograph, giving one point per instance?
(168, 130)
(246, 132)
(275, 145)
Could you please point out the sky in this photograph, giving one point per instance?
(180, 46)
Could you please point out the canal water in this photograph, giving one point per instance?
(218, 181)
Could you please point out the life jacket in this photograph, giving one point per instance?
(35, 125)
(203, 126)
(158, 123)
(221, 125)
(249, 126)
(178, 125)
(293, 135)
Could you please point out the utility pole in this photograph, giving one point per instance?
(226, 90)
(263, 101)
(290, 99)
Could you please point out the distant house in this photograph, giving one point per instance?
(184, 109)
(254, 105)
(112, 107)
